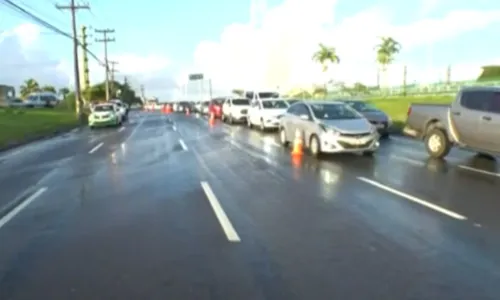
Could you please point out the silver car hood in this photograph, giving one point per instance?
(349, 125)
(375, 116)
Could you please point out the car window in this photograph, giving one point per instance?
(488, 101)
(334, 112)
(103, 108)
(274, 104)
(362, 106)
(302, 110)
(292, 101)
(267, 95)
(241, 102)
(32, 98)
(293, 109)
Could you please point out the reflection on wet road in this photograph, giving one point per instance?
(169, 207)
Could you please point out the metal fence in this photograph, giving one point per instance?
(433, 89)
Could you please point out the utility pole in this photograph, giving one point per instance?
(73, 8)
(85, 65)
(143, 93)
(106, 40)
(112, 72)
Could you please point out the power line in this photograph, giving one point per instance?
(45, 24)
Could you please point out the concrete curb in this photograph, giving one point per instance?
(36, 138)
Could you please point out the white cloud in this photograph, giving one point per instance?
(279, 52)
(26, 59)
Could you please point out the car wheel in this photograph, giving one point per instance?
(385, 135)
(283, 140)
(314, 146)
(437, 143)
(368, 153)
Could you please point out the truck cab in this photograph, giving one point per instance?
(471, 121)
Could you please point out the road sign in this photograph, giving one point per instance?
(195, 76)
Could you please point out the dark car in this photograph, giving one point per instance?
(376, 116)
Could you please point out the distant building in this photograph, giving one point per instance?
(6, 92)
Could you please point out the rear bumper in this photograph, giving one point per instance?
(104, 123)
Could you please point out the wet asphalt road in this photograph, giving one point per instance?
(168, 207)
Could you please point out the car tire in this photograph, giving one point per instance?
(261, 126)
(385, 135)
(314, 146)
(368, 153)
(284, 142)
(437, 143)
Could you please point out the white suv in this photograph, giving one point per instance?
(235, 110)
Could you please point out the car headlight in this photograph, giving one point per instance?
(329, 130)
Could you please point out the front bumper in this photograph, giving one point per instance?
(103, 122)
(239, 117)
(272, 123)
(341, 144)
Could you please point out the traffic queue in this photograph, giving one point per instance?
(321, 126)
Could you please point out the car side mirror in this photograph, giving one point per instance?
(304, 117)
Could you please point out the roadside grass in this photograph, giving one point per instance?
(23, 124)
(397, 107)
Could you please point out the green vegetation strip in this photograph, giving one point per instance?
(17, 125)
(397, 107)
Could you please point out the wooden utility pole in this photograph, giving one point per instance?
(106, 40)
(112, 71)
(72, 7)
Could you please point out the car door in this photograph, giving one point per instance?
(304, 125)
(465, 115)
(489, 123)
(253, 112)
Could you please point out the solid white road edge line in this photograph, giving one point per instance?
(437, 208)
(96, 148)
(183, 145)
(8, 217)
(479, 171)
(226, 225)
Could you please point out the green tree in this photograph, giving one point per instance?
(48, 88)
(63, 92)
(29, 86)
(386, 53)
(326, 56)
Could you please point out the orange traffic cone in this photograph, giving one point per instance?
(297, 144)
(211, 120)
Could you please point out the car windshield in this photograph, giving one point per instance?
(274, 104)
(268, 95)
(103, 108)
(241, 102)
(362, 106)
(334, 112)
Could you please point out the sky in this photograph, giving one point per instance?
(265, 45)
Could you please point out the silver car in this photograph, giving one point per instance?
(377, 117)
(328, 127)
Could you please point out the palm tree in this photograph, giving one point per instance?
(29, 86)
(386, 52)
(48, 88)
(326, 56)
(63, 92)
